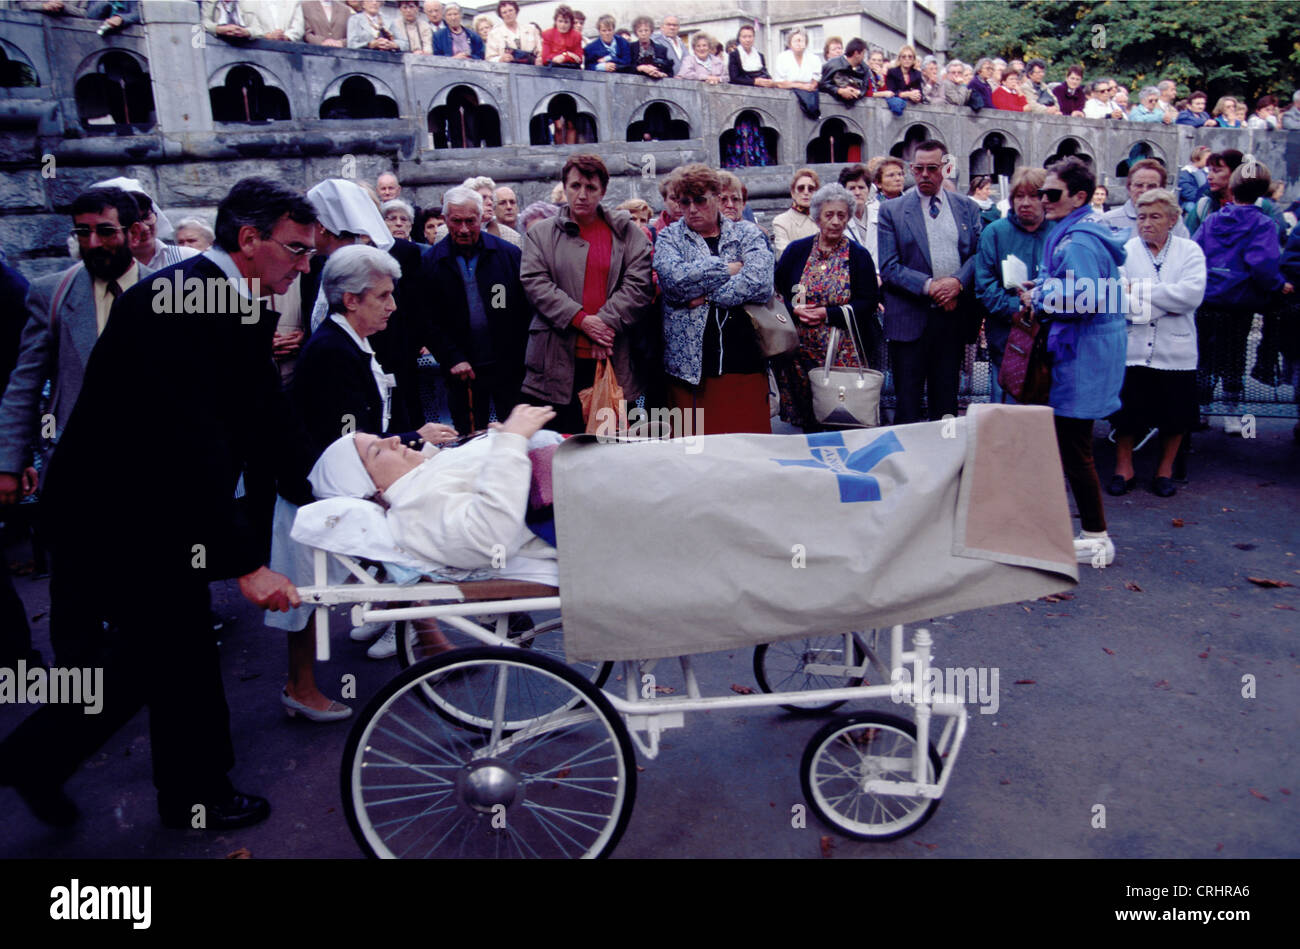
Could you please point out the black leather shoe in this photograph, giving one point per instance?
(1163, 487)
(1119, 486)
(237, 810)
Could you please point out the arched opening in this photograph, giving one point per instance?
(994, 157)
(115, 96)
(16, 70)
(658, 125)
(559, 121)
(464, 122)
(913, 137)
(748, 143)
(357, 98)
(835, 143)
(1137, 153)
(1069, 148)
(245, 96)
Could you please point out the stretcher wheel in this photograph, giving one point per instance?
(545, 638)
(418, 784)
(779, 667)
(856, 748)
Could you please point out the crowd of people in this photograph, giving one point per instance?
(527, 306)
(848, 71)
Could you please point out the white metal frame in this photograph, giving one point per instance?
(647, 718)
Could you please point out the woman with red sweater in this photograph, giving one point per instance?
(562, 44)
(1008, 96)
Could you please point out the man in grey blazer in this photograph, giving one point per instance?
(927, 239)
(103, 221)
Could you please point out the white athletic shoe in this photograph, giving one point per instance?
(1098, 551)
(385, 647)
(368, 631)
(1232, 425)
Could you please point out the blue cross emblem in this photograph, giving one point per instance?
(828, 451)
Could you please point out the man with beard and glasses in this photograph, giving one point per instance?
(66, 313)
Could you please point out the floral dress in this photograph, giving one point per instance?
(825, 281)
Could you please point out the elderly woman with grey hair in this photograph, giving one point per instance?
(339, 386)
(1148, 107)
(825, 280)
(399, 216)
(195, 232)
(1166, 283)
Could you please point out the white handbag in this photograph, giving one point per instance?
(846, 398)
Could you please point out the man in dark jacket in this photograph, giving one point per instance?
(174, 434)
(844, 77)
(481, 322)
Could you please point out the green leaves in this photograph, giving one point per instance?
(1231, 47)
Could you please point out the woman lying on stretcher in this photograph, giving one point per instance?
(451, 514)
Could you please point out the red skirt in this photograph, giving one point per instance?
(733, 402)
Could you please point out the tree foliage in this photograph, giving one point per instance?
(1225, 47)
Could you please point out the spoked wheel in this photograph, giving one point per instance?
(782, 667)
(418, 784)
(854, 749)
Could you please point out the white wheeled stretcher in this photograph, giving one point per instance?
(502, 750)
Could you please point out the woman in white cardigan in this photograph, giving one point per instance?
(1166, 283)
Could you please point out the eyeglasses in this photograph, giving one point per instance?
(806, 188)
(1050, 194)
(103, 231)
(296, 249)
(926, 169)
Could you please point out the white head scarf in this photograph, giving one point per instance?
(340, 473)
(164, 227)
(342, 205)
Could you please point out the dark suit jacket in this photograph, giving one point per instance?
(905, 261)
(409, 328)
(174, 407)
(662, 60)
(864, 289)
(498, 265)
(41, 356)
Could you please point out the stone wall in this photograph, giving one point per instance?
(188, 160)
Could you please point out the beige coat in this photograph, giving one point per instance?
(554, 268)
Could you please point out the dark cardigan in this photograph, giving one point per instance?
(864, 289)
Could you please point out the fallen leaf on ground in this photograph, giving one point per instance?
(1282, 606)
(1218, 847)
(1285, 790)
(1025, 608)
(1203, 655)
(925, 845)
(38, 617)
(741, 689)
(1057, 614)
(243, 853)
(1005, 781)
(1162, 684)
(665, 689)
(564, 772)
(1262, 797)
(1109, 652)
(1243, 546)
(1026, 682)
(1266, 582)
(1131, 585)
(1177, 522)
(827, 845)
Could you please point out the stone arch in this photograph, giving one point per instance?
(749, 140)
(1144, 149)
(358, 96)
(563, 118)
(246, 92)
(16, 69)
(661, 120)
(995, 155)
(839, 139)
(459, 117)
(1071, 145)
(113, 92)
(915, 133)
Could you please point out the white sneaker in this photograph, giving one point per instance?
(385, 647)
(1232, 425)
(368, 631)
(1097, 551)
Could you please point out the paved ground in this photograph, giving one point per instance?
(1127, 696)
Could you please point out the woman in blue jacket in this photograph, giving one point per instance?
(1080, 292)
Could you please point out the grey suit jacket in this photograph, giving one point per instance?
(41, 357)
(905, 261)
